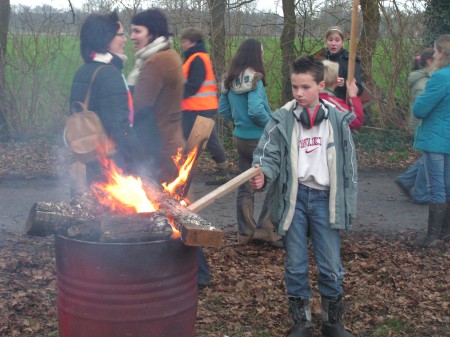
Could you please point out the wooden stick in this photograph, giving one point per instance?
(352, 49)
(198, 138)
(224, 189)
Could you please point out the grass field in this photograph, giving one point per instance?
(40, 69)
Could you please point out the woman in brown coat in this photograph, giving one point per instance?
(157, 82)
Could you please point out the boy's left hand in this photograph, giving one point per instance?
(257, 181)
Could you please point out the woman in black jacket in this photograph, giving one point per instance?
(334, 51)
(102, 42)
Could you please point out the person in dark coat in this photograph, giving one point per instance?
(200, 97)
(334, 51)
(102, 42)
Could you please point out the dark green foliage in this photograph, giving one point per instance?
(374, 140)
(437, 20)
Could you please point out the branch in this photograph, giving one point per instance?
(72, 11)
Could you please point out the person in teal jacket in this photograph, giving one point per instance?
(413, 181)
(307, 154)
(243, 100)
(433, 139)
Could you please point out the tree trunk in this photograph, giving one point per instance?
(287, 45)
(369, 37)
(217, 38)
(5, 12)
(437, 21)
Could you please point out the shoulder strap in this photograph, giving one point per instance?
(88, 94)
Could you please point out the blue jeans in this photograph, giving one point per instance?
(204, 274)
(245, 203)
(312, 210)
(437, 169)
(415, 177)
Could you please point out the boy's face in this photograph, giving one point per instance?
(186, 44)
(305, 89)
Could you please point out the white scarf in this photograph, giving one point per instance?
(141, 55)
(102, 58)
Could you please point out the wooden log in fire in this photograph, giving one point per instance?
(144, 227)
(194, 230)
(85, 221)
(47, 218)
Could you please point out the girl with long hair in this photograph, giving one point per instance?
(243, 100)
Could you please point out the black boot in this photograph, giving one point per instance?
(332, 318)
(445, 232)
(300, 313)
(436, 215)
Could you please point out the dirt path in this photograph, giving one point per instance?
(382, 207)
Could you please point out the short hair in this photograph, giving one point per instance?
(154, 20)
(330, 73)
(308, 64)
(96, 34)
(192, 34)
(335, 29)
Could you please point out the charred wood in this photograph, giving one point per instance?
(85, 219)
(139, 227)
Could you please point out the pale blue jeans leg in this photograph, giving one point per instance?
(421, 194)
(312, 210)
(437, 169)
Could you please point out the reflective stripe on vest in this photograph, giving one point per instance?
(206, 96)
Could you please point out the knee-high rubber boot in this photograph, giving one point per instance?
(445, 231)
(436, 215)
(332, 310)
(300, 313)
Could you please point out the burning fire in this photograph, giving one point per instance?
(184, 167)
(127, 195)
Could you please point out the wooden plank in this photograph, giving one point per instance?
(224, 189)
(198, 138)
(201, 236)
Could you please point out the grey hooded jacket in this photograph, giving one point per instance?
(277, 155)
(416, 82)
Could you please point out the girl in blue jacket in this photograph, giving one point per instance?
(433, 139)
(243, 100)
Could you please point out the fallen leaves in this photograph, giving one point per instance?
(391, 289)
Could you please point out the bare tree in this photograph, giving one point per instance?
(5, 12)
(217, 39)
(437, 20)
(369, 36)
(287, 46)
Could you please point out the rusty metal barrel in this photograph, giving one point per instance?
(144, 289)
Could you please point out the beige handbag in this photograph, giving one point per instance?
(84, 131)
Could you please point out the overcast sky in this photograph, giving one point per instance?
(261, 4)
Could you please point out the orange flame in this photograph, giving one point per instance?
(184, 168)
(126, 194)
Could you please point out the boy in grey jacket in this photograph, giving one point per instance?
(308, 155)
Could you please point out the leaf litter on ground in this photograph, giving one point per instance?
(391, 288)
